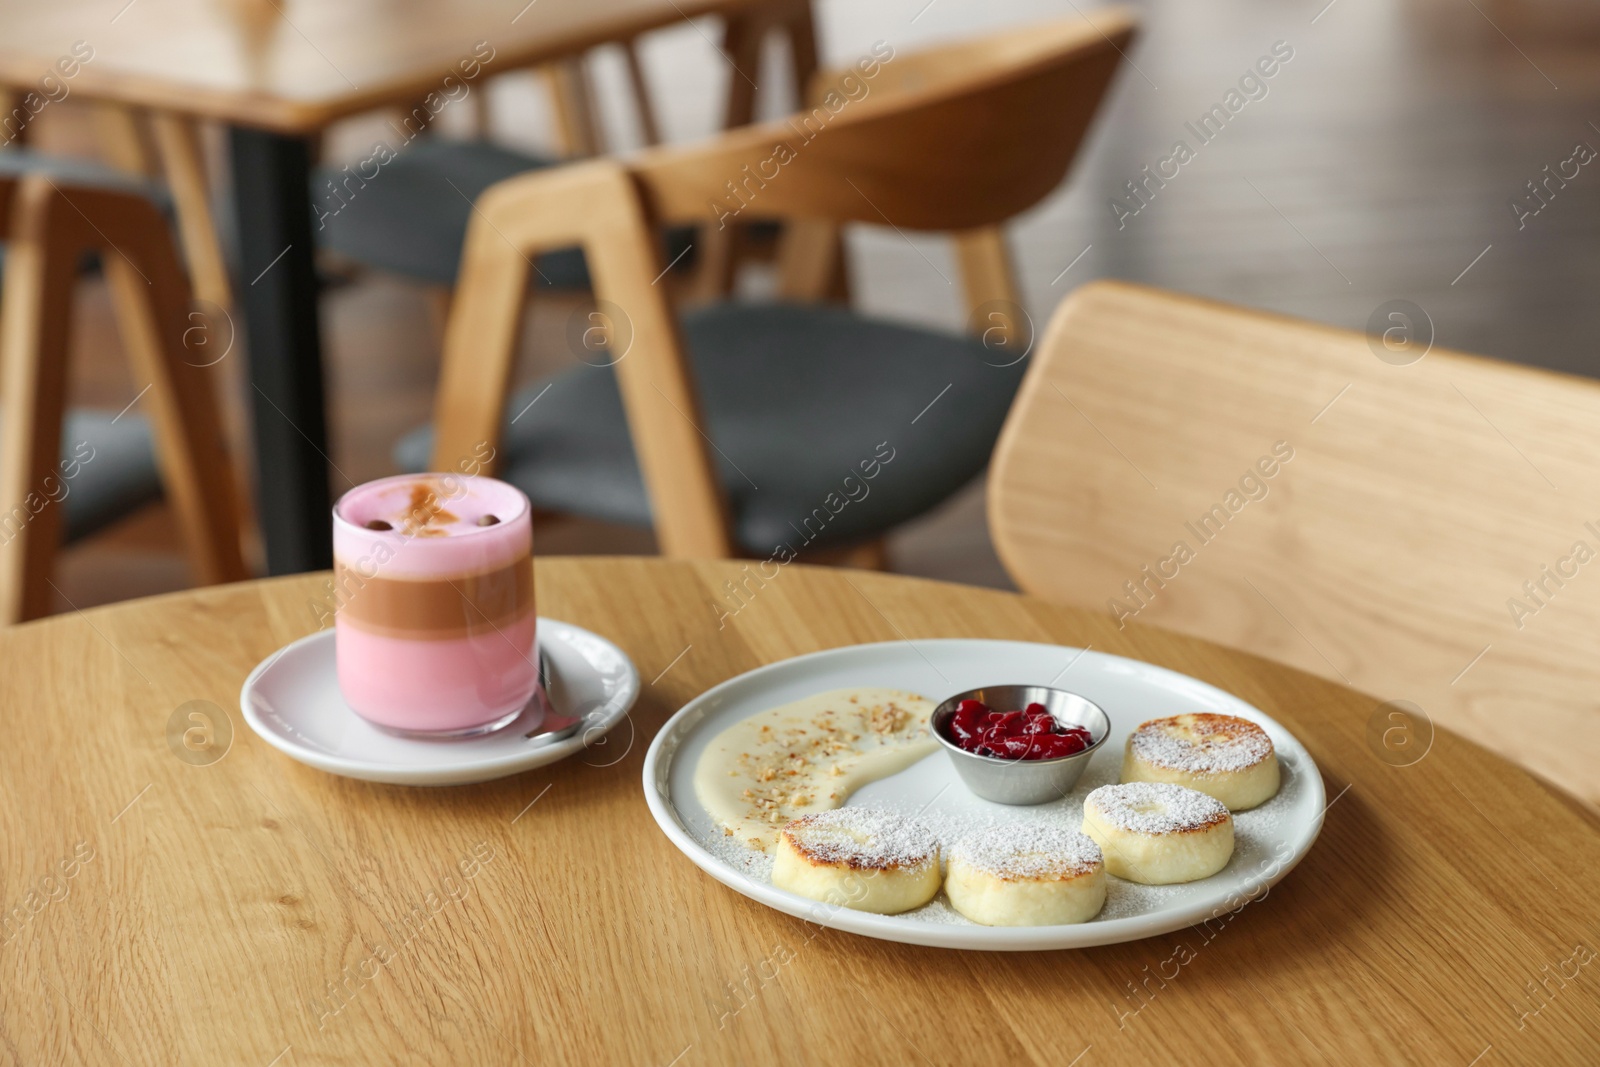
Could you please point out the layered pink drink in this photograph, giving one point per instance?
(435, 624)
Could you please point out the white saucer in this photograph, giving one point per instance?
(292, 701)
(1270, 840)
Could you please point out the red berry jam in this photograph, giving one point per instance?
(1031, 733)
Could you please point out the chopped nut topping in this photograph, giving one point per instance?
(793, 757)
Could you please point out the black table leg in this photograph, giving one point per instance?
(278, 292)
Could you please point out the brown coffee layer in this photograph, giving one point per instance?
(468, 605)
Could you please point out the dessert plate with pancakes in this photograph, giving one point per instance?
(818, 787)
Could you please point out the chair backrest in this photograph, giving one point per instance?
(962, 136)
(1419, 530)
(991, 127)
(48, 223)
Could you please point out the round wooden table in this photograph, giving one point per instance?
(249, 910)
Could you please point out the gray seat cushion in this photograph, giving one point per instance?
(411, 218)
(15, 162)
(796, 398)
(107, 470)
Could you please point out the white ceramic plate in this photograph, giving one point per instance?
(1269, 840)
(292, 701)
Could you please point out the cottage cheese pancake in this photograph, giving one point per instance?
(1222, 756)
(858, 858)
(1026, 874)
(1158, 833)
(809, 756)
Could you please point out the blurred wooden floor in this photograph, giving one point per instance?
(1379, 165)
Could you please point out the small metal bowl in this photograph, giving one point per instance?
(1023, 781)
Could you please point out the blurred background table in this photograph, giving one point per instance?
(279, 74)
(235, 907)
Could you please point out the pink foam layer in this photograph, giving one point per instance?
(436, 685)
(463, 548)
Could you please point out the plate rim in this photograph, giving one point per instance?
(937, 935)
(457, 774)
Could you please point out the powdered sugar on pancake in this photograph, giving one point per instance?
(1227, 743)
(1029, 852)
(864, 839)
(1156, 808)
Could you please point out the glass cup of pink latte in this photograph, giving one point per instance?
(434, 631)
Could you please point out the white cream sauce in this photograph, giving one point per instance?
(808, 756)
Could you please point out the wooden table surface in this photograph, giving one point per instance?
(296, 65)
(245, 909)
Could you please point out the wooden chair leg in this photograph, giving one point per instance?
(573, 102)
(649, 128)
(35, 317)
(178, 140)
(482, 118)
(811, 262)
(868, 556)
(152, 304)
(716, 257)
(13, 127)
(183, 162)
(986, 273)
(741, 44)
(718, 247)
(439, 298)
(872, 556)
(122, 139)
(798, 24)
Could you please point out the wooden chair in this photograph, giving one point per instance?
(811, 261)
(752, 443)
(1280, 487)
(81, 479)
(411, 220)
(162, 145)
(720, 250)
